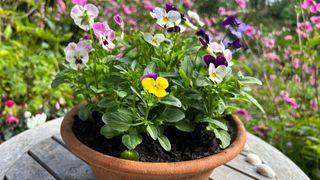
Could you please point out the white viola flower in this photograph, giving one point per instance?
(217, 74)
(27, 114)
(84, 16)
(195, 16)
(189, 24)
(166, 19)
(36, 120)
(216, 48)
(155, 40)
(78, 54)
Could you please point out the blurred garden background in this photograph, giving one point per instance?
(282, 39)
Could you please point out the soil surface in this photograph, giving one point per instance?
(184, 146)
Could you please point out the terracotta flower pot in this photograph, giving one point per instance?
(108, 167)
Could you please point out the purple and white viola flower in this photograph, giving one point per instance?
(217, 60)
(78, 54)
(196, 17)
(118, 19)
(83, 16)
(239, 30)
(166, 19)
(216, 74)
(216, 48)
(155, 40)
(104, 34)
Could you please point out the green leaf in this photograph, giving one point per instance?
(221, 106)
(164, 142)
(136, 92)
(184, 77)
(151, 68)
(107, 103)
(117, 121)
(108, 132)
(171, 100)
(130, 154)
(95, 90)
(153, 132)
(168, 74)
(254, 101)
(186, 65)
(192, 94)
(131, 140)
(8, 31)
(185, 126)
(219, 124)
(84, 112)
(121, 94)
(173, 115)
(202, 81)
(250, 80)
(224, 137)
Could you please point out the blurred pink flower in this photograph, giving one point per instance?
(79, 2)
(244, 113)
(304, 28)
(306, 69)
(316, 20)
(284, 94)
(242, 3)
(285, 97)
(311, 5)
(314, 104)
(262, 130)
(286, 53)
(223, 12)
(9, 103)
(207, 21)
(288, 37)
(57, 105)
(296, 78)
(147, 4)
(312, 81)
(272, 55)
(269, 43)
(128, 10)
(273, 77)
(12, 119)
(188, 3)
(250, 31)
(295, 63)
(62, 6)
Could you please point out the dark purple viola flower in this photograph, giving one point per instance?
(204, 38)
(262, 130)
(149, 75)
(217, 61)
(174, 29)
(236, 44)
(170, 7)
(231, 20)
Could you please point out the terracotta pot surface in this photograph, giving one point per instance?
(108, 167)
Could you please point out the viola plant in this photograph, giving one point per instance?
(145, 82)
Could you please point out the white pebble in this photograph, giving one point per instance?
(253, 159)
(246, 148)
(266, 170)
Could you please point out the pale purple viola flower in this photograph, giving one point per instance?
(239, 30)
(78, 54)
(104, 34)
(79, 2)
(262, 130)
(295, 63)
(118, 19)
(314, 104)
(244, 113)
(311, 5)
(149, 75)
(316, 20)
(84, 16)
(166, 19)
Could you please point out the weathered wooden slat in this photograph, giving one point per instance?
(26, 168)
(62, 161)
(12, 150)
(227, 173)
(281, 164)
(239, 164)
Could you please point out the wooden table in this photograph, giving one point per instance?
(41, 154)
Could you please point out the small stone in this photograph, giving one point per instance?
(246, 148)
(266, 171)
(253, 159)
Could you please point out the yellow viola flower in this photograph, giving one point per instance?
(157, 87)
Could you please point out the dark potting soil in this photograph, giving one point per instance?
(184, 146)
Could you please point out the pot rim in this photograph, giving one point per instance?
(101, 160)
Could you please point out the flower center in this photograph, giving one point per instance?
(165, 19)
(105, 41)
(78, 59)
(154, 41)
(214, 75)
